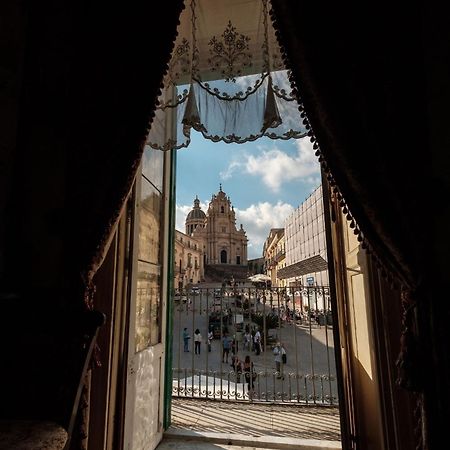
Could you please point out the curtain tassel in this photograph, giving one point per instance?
(191, 116)
(272, 118)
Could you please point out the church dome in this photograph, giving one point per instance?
(196, 213)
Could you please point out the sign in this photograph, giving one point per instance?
(310, 281)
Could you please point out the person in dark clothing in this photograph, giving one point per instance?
(226, 346)
(234, 346)
(236, 364)
(197, 341)
(186, 338)
(249, 374)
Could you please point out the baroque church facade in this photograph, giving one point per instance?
(222, 242)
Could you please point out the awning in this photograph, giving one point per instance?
(309, 265)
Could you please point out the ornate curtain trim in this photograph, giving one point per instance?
(250, 96)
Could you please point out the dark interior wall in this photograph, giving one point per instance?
(12, 43)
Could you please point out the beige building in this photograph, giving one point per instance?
(221, 242)
(280, 259)
(274, 256)
(188, 261)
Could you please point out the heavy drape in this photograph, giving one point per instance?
(117, 57)
(363, 82)
(360, 77)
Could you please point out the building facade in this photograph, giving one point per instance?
(306, 249)
(188, 260)
(274, 256)
(222, 243)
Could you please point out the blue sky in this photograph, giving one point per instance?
(265, 180)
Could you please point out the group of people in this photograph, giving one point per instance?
(247, 368)
(230, 344)
(197, 340)
(252, 340)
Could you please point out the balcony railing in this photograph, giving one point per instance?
(299, 317)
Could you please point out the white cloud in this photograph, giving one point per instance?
(228, 173)
(275, 167)
(181, 212)
(257, 221)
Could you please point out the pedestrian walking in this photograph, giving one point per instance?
(234, 346)
(210, 338)
(257, 342)
(186, 338)
(226, 346)
(280, 359)
(247, 340)
(236, 364)
(252, 333)
(197, 341)
(250, 375)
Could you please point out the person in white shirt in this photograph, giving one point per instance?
(257, 341)
(247, 340)
(280, 359)
(210, 338)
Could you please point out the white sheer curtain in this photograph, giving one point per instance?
(226, 78)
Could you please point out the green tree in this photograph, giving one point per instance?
(271, 320)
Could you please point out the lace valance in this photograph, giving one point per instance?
(226, 78)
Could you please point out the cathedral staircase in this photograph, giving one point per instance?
(217, 273)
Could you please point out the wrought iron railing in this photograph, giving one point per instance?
(299, 318)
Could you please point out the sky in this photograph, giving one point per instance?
(265, 180)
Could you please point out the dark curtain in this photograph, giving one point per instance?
(359, 70)
(363, 72)
(116, 58)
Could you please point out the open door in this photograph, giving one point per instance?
(148, 303)
(374, 414)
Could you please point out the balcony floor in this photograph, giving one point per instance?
(205, 425)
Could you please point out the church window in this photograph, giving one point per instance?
(223, 256)
(224, 229)
(238, 259)
(222, 209)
